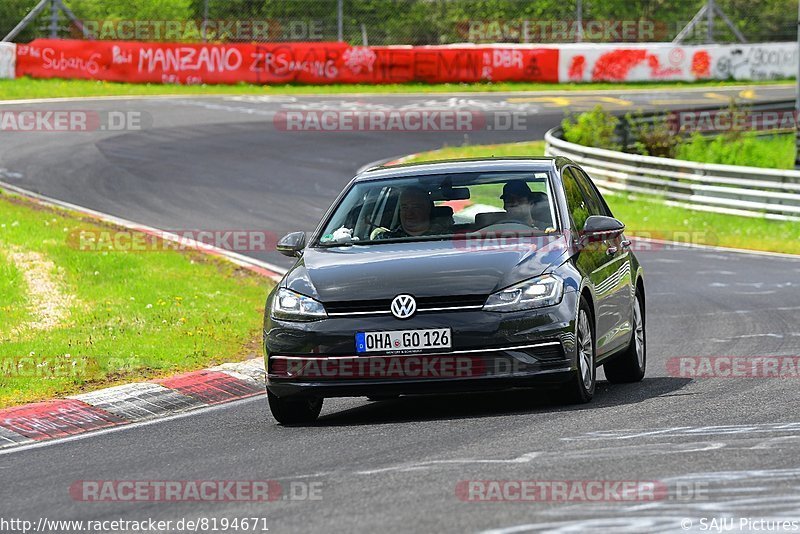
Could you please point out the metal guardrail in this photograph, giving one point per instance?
(624, 135)
(734, 189)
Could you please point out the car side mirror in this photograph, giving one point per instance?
(600, 227)
(292, 244)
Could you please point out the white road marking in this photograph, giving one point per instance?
(735, 312)
(525, 458)
(679, 431)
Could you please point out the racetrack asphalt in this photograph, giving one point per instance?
(219, 163)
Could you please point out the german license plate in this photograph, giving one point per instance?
(403, 340)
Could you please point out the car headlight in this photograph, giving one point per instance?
(291, 306)
(537, 292)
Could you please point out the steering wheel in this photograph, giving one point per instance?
(369, 222)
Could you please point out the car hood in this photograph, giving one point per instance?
(422, 269)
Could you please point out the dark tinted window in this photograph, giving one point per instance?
(576, 203)
(595, 203)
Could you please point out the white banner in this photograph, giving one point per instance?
(8, 60)
(668, 62)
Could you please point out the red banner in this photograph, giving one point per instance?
(313, 63)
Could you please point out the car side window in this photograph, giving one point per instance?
(576, 203)
(595, 203)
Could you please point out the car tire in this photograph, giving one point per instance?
(630, 365)
(580, 388)
(294, 411)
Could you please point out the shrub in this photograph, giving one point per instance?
(652, 138)
(594, 128)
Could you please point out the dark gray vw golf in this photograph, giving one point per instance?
(456, 276)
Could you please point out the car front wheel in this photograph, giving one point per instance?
(631, 364)
(580, 388)
(288, 411)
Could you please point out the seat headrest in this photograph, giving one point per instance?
(485, 219)
(442, 211)
(538, 197)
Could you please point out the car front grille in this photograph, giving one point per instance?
(365, 307)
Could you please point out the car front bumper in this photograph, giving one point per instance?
(490, 351)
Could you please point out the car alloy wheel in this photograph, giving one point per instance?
(585, 349)
(580, 388)
(630, 365)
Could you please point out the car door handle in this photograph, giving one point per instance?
(610, 251)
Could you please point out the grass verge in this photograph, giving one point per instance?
(24, 88)
(649, 215)
(123, 316)
(772, 151)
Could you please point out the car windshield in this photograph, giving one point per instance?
(443, 207)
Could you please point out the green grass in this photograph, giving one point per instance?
(12, 294)
(135, 315)
(528, 148)
(774, 151)
(650, 216)
(24, 88)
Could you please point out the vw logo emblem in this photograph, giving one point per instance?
(404, 306)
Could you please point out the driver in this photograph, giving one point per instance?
(416, 209)
(518, 201)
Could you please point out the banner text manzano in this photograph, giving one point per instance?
(304, 62)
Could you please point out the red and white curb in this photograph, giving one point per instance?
(130, 403)
(139, 401)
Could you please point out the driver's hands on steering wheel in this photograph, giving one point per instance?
(377, 232)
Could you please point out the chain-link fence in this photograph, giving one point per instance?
(413, 22)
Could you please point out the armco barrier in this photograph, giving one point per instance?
(313, 63)
(324, 63)
(751, 191)
(648, 62)
(8, 60)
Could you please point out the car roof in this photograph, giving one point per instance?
(381, 172)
